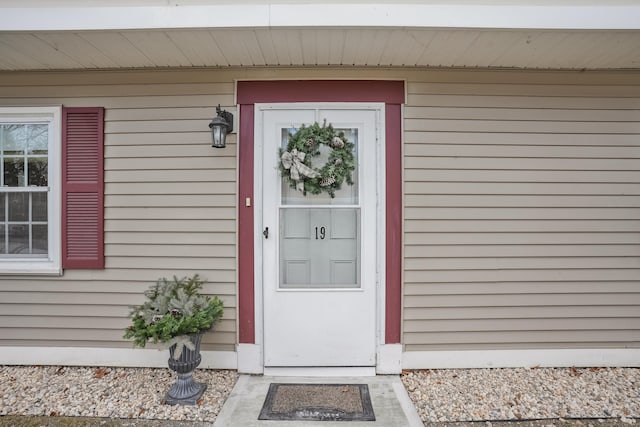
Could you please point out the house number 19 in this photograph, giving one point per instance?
(321, 233)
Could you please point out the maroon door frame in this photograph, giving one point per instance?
(392, 94)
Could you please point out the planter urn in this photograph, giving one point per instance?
(185, 391)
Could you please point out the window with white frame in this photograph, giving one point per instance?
(30, 190)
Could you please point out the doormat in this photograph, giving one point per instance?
(318, 402)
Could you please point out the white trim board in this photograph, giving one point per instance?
(92, 356)
(521, 358)
(616, 16)
(389, 360)
(322, 372)
(116, 357)
(250, 359)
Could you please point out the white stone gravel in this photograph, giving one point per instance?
(439, 395)
(106, 392)
(521, 394)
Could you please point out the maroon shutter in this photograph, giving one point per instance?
(82, 188)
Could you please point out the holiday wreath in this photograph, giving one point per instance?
(296, 162)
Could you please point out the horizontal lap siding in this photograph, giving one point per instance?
(170, 208)
(521, 202)
(522, 215)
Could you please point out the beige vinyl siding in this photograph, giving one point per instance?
(521, 202)
(170, 207)
(522, 213)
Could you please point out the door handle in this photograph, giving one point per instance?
(265, 233)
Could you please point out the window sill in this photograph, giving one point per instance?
(45, 268)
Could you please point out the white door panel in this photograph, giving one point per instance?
(319, 301)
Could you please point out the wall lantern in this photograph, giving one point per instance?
(220, 126)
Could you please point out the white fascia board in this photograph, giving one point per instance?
(458, 16)
(132, 18)
(239, 15)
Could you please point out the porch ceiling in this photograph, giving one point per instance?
(522, 34)
(393, 47)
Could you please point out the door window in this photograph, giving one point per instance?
(320, 235)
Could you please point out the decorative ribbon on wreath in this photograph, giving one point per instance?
(293, 160)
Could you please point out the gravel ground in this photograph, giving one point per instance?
(135, 393)
(525, 394)
(440, 396)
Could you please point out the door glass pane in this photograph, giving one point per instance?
(320, 245)
(346, 195)
(319, 248)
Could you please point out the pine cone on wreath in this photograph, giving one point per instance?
(325, 182)
(309, 142)
(337, 142)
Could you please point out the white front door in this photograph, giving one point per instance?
(319, 253)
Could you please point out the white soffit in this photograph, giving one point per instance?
(518, 34)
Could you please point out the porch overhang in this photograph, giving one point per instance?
(541, 34)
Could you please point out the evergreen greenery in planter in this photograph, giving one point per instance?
(173, 310)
